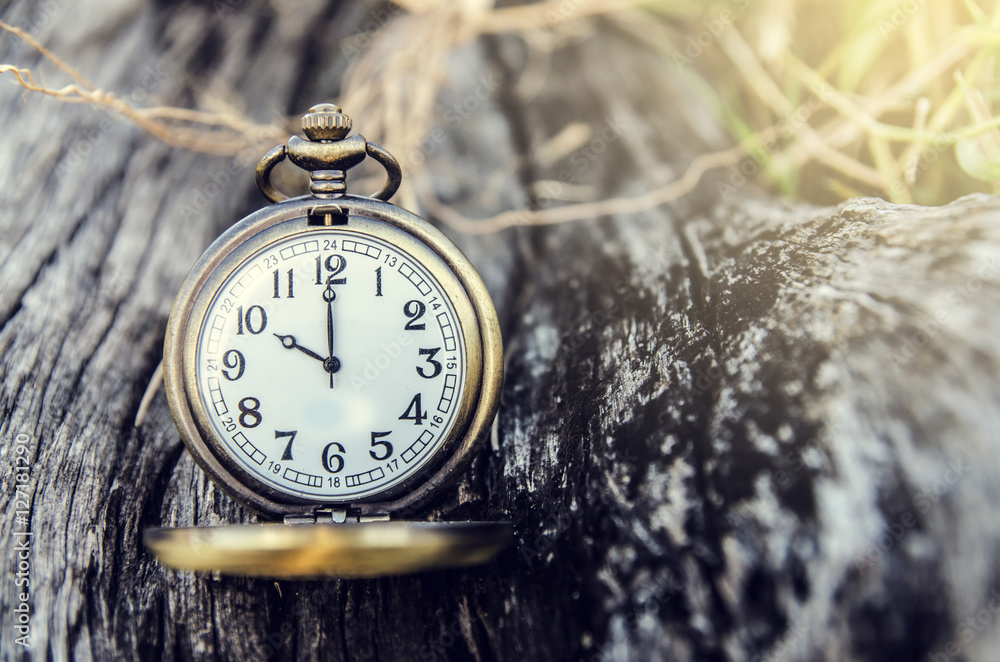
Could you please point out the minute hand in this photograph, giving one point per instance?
(329, 326)
(331, 363)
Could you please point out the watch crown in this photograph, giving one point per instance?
(326, 121)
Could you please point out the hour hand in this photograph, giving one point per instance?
(288, 342)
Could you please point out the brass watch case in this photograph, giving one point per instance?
(366, 216)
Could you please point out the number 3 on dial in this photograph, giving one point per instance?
(429, 353)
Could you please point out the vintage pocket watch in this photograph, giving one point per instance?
(332, 361)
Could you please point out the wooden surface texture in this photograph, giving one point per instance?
(733, 428)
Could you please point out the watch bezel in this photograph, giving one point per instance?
(479, 326)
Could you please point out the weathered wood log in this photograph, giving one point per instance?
(732, 428)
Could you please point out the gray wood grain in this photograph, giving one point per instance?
(732, 428)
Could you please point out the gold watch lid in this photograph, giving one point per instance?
(349, 550)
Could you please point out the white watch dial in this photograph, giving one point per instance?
(331, 365)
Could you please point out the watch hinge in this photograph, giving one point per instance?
(326, 215)
(335, 516)
(300, 519)
(374, 517)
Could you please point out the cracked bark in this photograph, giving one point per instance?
(714, 411)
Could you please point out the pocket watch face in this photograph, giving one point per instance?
(332, 364)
